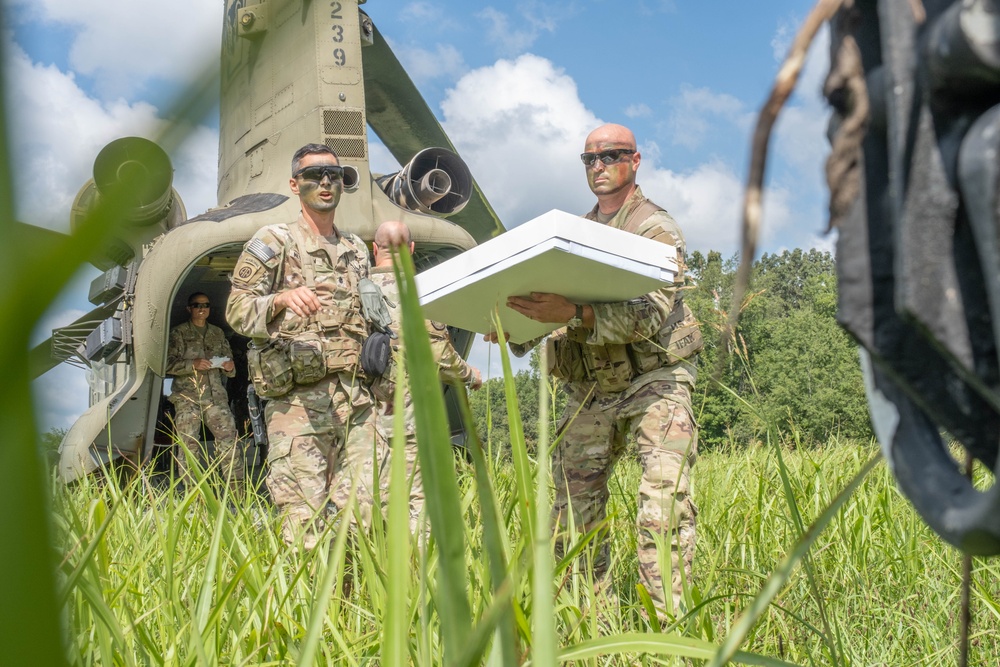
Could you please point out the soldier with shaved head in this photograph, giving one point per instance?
(391, 238)
(635, 381)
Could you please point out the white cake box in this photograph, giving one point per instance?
(557, 252)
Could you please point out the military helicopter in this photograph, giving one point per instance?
(293, 72)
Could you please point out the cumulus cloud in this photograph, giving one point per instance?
(801, 128)
(523, 148)
(124, 43)
(57, 130)
(522, 145)
(707, 202)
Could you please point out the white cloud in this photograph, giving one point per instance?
(124, 43)
(380, 160)
(507, 37)
(707, 204)
(696, 112)
(782, 39)
(56, 131)
(638, 111)
(522, 145)
(523, 148)
(486, 357)
(423, 65)
(429, 14)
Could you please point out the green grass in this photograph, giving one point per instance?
(156, 576)
(789, 565)
(804, 556)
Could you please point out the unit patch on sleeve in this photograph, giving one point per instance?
(248, 270)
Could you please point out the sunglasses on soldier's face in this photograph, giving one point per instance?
(200, 305)
(607, 157)
(316, 173)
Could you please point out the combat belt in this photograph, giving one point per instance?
(614, 366)
(328, 342)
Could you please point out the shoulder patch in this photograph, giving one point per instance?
(260, 250)
(249, 269)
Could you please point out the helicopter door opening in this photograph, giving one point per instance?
(211, 276)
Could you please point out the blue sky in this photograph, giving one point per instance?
(517, 86)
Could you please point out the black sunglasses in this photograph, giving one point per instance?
(199, 305)
(607, 157)
(316, 173)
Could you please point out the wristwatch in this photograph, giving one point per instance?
(577, 319)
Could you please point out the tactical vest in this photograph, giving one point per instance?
(307, 350)
(613, 366)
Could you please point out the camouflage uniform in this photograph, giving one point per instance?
(451, 368)
(322, 436)
(201, 395)
(653, 406)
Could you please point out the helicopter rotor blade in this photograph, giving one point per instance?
(406, 125)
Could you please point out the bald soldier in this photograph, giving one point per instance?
(636, 377)
(295, 294)
(391, 238)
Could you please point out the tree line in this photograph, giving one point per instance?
(791, 365)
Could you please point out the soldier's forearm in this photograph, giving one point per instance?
(630, 321)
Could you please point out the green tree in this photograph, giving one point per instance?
(489, 405)
(791, 360)
(49, 442)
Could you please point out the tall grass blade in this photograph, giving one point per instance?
(780, 575)
(437, 466)
(477, 642)
(518, 447)
(545, 643)
(29, 617)
(492, 537)
(831, 637)
(331, 572)
(395, 629)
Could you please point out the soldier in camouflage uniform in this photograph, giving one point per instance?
(295, 294)
(390, 238)
(629, 369)
(198, 391)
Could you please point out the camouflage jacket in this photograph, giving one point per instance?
(188, 343)
(451, 366)
(270, 264)
(646, 318)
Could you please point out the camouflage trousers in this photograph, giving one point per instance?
(658, 417)
(323, 442)
(188, 418)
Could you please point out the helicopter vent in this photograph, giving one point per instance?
(347, 146)
(343, 122)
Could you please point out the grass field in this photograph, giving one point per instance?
(156, 576)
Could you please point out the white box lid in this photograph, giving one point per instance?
(557, 252)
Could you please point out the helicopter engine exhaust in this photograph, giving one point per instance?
(137, 175)
(436, 182)
(144, 169)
